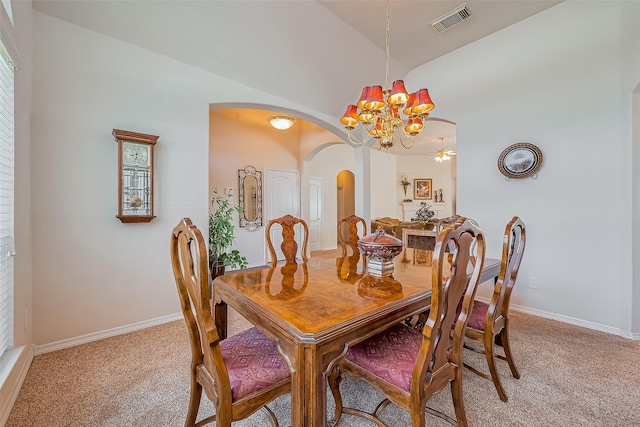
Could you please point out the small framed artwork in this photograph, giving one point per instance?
(422, 189)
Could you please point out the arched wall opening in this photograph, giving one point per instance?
(345, 197)
(240, 136)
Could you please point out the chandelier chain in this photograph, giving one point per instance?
(387, 48)
(382, 111)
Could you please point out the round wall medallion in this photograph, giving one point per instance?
(520, 160)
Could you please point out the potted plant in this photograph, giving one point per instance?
(222, 235)
(424, 215)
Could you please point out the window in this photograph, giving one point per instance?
(7, 249)
(7, 7)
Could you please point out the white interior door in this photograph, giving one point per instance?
(282, 196)
(315, 213)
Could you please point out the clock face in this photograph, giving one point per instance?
(136, 154)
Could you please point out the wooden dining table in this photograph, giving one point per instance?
(316, 310)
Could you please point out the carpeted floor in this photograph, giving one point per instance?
(570, 376)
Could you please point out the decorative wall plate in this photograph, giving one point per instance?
(520, 160)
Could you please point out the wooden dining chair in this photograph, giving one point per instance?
(240, 374)
(489, 323)
(352, 221)
(289, 246)
(442, 223)
(408, 365)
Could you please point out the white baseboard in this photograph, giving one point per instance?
(83, 339)
(570, 320)
(12, 360)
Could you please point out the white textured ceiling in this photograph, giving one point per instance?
(315, 53)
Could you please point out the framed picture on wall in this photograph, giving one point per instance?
(422, 189)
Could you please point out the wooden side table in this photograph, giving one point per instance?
(406, 232)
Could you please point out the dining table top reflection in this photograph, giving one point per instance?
(315, 310)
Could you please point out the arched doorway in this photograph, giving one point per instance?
(346, 196)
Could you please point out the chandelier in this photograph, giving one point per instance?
(381, 111)
(443, 155)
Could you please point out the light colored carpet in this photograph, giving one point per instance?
(570, 376)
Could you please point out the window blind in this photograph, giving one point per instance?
(7, 248)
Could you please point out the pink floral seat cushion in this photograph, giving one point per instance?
(478, 315)
(253, 362)
(389, 355)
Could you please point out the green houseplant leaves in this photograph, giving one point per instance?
(222, 231)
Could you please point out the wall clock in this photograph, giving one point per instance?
(520, 160)
(135, 176)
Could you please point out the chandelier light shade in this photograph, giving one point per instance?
(383, 112)
(281, 122)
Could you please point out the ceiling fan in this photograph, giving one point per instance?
(443, 155)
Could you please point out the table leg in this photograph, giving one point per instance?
(308, 389)
(309, 383)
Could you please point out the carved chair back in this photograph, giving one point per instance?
(352, 222)
(442, 223)
(512, 250)
(289, 245)
(189, 259)
(451, 286)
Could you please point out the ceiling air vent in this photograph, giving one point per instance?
(449, 19)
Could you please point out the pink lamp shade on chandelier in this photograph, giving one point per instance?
(422, 103)
(350, 117)
(414, 126)
(398, 94)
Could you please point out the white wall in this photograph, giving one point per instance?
(553, 81)
(630, 72)
(326, 164)
(91, 272)
(384, 184)
(634, 284)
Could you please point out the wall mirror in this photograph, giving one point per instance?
(520, 160)
(250, 197)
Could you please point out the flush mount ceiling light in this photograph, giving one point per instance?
(379, 111)
(281, 122)
(442, 154)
